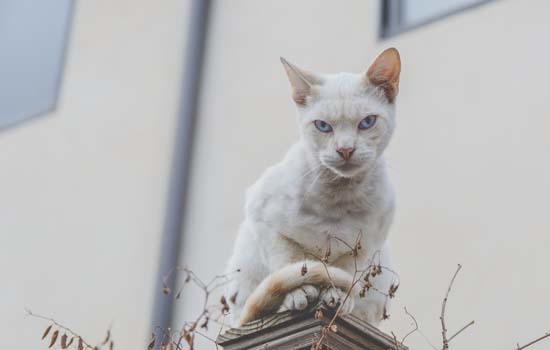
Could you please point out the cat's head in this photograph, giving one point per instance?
(346, 120)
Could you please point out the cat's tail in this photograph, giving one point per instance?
(270, 294)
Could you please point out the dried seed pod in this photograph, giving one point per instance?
(362, 292)
(70, 341)
(393, 289)
(367, 285)
(319, 314)
(385, 315)
(225, 307)
(80, 344)
(46, 331)
(373, 271)
(152, 342)
(166, 290)
(367, 276)
(111, 345)
(64, 341)
(304, 269)
(189, 340)
(327, 254)
(205, 323)
(107, 337)
(53, 338)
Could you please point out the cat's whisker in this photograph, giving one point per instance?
(307, 192)
(310, 171)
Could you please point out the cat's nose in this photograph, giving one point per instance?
(345, 153)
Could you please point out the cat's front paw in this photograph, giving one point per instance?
(300, 298)
(334, 297)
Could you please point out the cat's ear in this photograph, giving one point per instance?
(384, 72)
(301, 81)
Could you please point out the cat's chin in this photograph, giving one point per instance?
(347, 170)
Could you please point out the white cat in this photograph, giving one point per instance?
(332, 183)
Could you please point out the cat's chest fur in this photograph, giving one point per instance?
(308, 210)
(343, 213)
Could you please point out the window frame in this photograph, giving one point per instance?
(392, 22)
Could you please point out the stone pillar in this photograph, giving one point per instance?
(302, 331)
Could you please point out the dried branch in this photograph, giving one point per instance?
(461, 330)
(372, 269)
(64, 342)
(443, 305)
(167, 339)
(533, 342)
(413, 330)
(209, 313)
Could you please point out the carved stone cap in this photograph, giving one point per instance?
(299, 331)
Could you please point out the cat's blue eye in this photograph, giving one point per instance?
(367, 122)
(322, 126)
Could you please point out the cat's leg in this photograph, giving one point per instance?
(245, 270)
(282, 252)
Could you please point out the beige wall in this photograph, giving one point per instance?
(469, 159)
(82, 189)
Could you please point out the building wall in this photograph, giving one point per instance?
(468, 158)
(83, 188)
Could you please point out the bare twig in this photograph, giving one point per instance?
(426, 339)
(443, 305)
(358, 275)
(533, 342)
(413, 330)
(461, 330)
(189, 330)
(70, 331)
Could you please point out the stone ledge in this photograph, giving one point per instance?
(299, 331)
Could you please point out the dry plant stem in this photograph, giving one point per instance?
(398, 343)
(189, 330)
(413, 330)
(443, 305)
(357, 275)
(533, 342)
(355, 280)
(59, 325)
(395, 341)
(461, 330)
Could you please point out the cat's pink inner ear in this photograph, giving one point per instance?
(384, 72)
(301, 82)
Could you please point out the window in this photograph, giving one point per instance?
(32, 45)
(401, 15)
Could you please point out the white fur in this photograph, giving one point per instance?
(313, 194)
